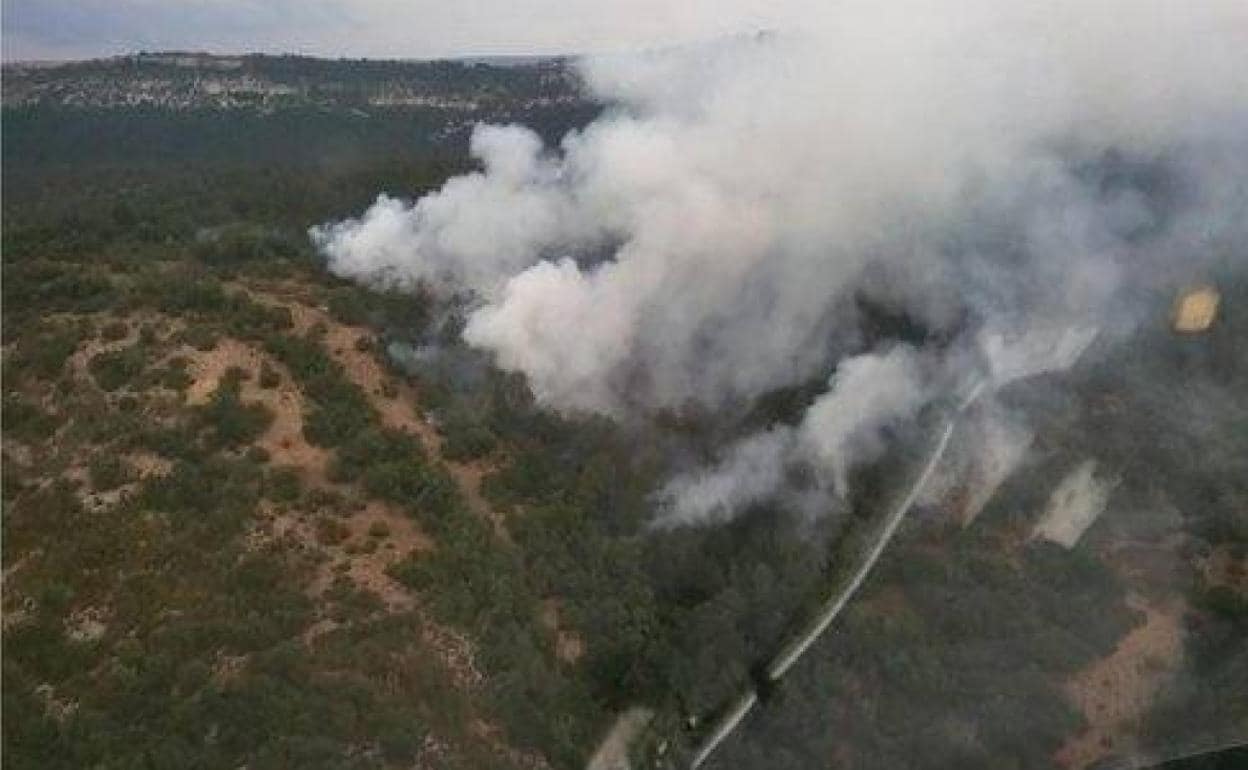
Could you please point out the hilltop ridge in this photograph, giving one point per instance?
(190, 80)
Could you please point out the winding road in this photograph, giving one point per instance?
(833, 606)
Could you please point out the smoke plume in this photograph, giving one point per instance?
(1003, 175)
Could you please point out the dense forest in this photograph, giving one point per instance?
(431, 570)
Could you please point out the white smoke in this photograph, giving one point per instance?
(751, 471)
(473, 233)
(989, 445)
(867, 393)
(1045, 347)
(747, 191)
(842, 427)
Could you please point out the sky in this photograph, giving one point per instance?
(77, 29)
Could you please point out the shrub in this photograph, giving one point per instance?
(108, 471)
(269, 378)
(173, 375)
(178, 292)
(327, 499)
(53, 287)
(239, 243)
(44, 354)
(329, 425)
(331, 531)
(402, 740)
(349, 305)
(200, 337)
(371, 447)
(173, 441)
(115, 369)
(466, 438)
(282, 485)
(340, 410)
(114, 330)
(232, 422)
(235, 376)
(26, 421)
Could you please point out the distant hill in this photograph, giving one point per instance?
(187, 80)
(178, 108)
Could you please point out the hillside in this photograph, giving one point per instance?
(256, 515)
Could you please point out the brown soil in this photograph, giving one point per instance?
(366, 556)
(163, 325)
(287, 447)
(87, 624)
(1113, 693)
(398, 410)
(366, 569)
(284, 439)
(147, 464)
(82, 356)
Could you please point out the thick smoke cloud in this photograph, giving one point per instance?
(842, 426)
(939, 161)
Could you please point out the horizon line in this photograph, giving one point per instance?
(49, 62)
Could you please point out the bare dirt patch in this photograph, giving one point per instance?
(284, 440)
(367, 569)
(149, 464)
(394, 399)
(164, 327)
(1115, 692)
(364, 557)
(457, 653)
(87, 624)
(79, 359)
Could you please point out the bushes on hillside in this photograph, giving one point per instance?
(241, 242)
(43, 353)
(339, 410)
(42, 286)
(467, 438)
(230, 422)
(26, 421)
(117, 368)
(282, 485)
(108, 471)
